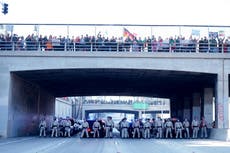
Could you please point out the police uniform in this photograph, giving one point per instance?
(168, 126)
(195, 128)
(85, 126)
(159, 126)
(109, 124)
(178, 128)
(124, 128)
(136, 128)
(96, 128)
(147, 127)
(67, 127)
(142, 130)
(42, 127)
(186, 126)
(203, 125)
(54, 128)
(61, 127)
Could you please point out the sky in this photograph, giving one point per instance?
(154, 12)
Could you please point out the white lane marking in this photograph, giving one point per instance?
(51, 146)
(15, 141)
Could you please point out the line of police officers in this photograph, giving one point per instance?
(59, 127)
(163, 128)
(158, 128)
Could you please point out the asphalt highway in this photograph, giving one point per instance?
(114, 145)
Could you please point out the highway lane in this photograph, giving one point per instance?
(115, 145)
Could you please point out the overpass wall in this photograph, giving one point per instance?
(175, 62)
(27, 104)
(4, 99)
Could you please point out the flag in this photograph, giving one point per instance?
(221, 33)
(128, 34)
(195, 32)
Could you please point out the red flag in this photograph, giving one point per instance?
(128, 34)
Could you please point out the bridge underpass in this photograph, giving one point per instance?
(175, 85)
(190, 82)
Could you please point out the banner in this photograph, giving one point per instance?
(213, 35)
(10, 28)
(195, 32)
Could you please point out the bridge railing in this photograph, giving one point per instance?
(115, 38)
(115, 47)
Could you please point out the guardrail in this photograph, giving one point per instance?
(117, 38)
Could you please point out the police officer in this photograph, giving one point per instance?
(147, 127)
(159, 126)
(142, 130)
(203, 125)
(85, 126)
(178, 128)
(61, 126)
(67, 125)
(42, 127)
(153, 130)
(136, 128)
(96, 128)
(124, 128)
(109, 125)
(186, 126)
(169, 127)
(195, 128)
(54, 126)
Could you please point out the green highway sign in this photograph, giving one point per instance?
(138, 105)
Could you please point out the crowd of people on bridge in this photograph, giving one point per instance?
(121, 44)
(139, 128)
(125, 102)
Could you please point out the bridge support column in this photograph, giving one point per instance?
(173, 106)
(208, 105)
(222, 130)
(187, 108)
(180, 108)
(196, 106)
(139, 114)
(27, 105)
(4, 100)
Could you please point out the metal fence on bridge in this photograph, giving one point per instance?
(115, 38)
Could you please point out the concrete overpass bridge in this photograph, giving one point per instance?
(194, 82)
(123, 108)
